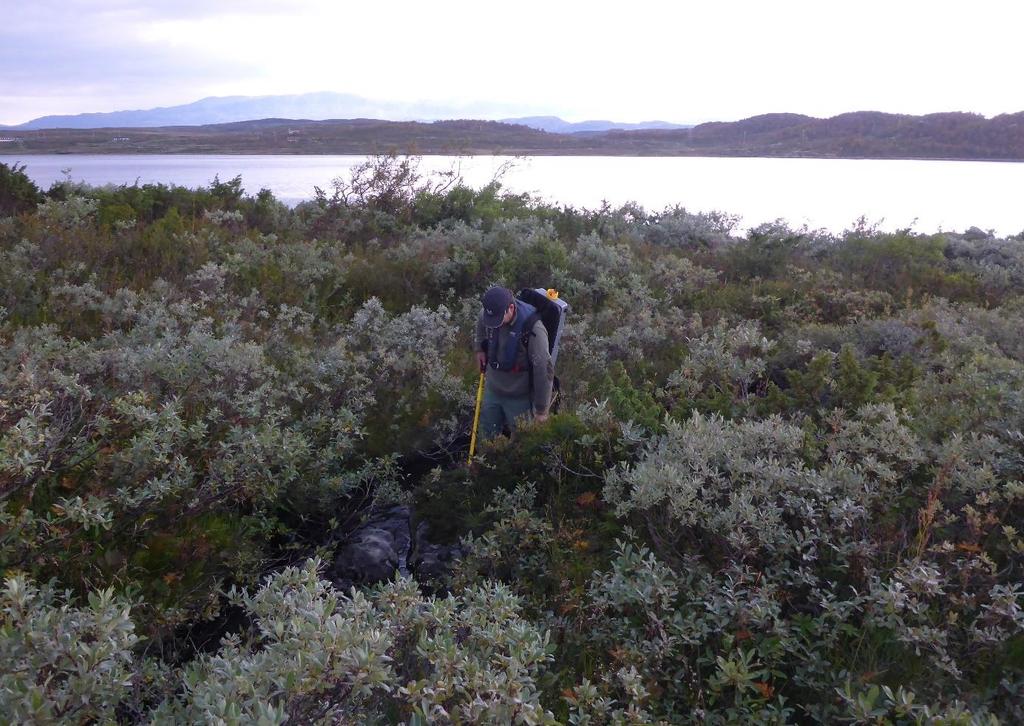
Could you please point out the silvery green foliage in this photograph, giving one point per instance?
(896, 337)
(463, 245)
(318, 656)
(877, 444)
(974, 393)
(409, 346)
(998, 262)
(19, 269)
(308, 266)
(600, 272)
(483, 661)
(596, 258)
(588, 707)
(971, 329)
(633, 334)
(513, 236)
(315, 656)
(630, 335)
(718, 646)
(746, 483)
(725, 358)
(515, 549)
(716, 493)
(71, 213)
(981, 465)
(631, 606)
(677, 227)
(192, 398)
(685, 635)
(402, 357)
(224, 217)
(900, 706)
(41, 412)
(819, 565)
(716, 476)
(681, 278)
(62, 662)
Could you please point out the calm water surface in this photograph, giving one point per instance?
(927, 196)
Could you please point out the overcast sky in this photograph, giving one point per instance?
(679, 61)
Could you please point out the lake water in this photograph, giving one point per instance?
(927, 196)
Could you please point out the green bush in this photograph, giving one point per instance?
(18, 193)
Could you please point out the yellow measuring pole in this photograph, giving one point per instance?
(476, 418)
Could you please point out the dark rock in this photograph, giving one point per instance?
(368, 558)
(431, 561)
(373, 552)
(397, 522)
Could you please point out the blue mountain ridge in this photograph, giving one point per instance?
(315, 106)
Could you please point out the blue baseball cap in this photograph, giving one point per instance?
(496, 302)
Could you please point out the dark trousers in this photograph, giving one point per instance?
(499, 411)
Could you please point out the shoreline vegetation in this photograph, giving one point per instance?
(862, 135)
(784, 484)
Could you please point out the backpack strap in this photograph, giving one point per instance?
(521, 330)
(527, 334)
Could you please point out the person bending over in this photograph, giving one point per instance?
(519, 372)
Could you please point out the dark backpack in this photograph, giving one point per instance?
(551, 311)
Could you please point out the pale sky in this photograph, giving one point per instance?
(685, 62)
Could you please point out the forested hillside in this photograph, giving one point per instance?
(867, 135)
(784, 483)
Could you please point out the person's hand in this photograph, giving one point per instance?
(481, 360)
(542, 417)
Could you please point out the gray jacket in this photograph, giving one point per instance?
(517, 385)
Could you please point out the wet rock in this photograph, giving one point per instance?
(373, 552)
(397, 523)
(383, 545)
(430, 562)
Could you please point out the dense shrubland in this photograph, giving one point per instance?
(786, 482)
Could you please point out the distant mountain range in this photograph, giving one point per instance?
(868, 135)
(314, 107)
(557, 126)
